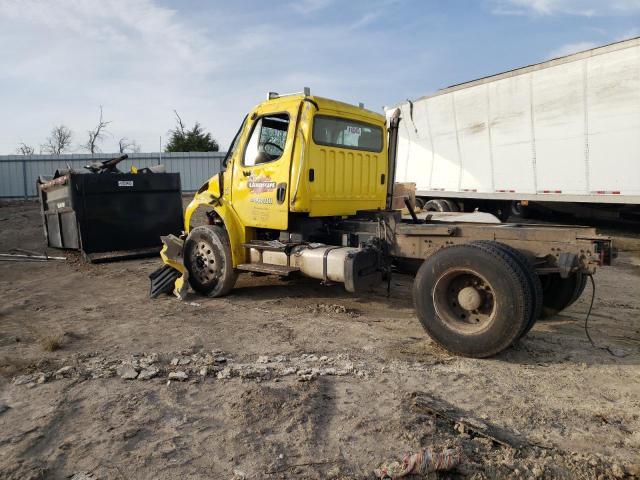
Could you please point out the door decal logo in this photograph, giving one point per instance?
(261, 184)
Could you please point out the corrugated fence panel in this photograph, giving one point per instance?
(20, 172)
(11, 179)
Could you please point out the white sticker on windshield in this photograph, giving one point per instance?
(354, 130)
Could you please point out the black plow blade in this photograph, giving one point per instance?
(163, 280)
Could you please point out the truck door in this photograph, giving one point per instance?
(260, 191)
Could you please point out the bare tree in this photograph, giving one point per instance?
(58, 141)
(180, 129)
(126, 145)
(96, 135)
(24, 149)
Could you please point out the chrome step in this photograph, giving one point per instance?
(268, 268)
(270, 245)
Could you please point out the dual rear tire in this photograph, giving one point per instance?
(477, 299)
(560, 293)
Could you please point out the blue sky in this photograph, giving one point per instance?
(213, 60)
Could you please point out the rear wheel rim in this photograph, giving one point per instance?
(516, 208)
(464, 300)
(205, 266)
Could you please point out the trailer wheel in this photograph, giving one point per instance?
(471, 300)
(502, 210)
(559, 293)
(420, 203)
(453, 206)
(518, 210)
(207, 256)
(437, 205)
(534, 286)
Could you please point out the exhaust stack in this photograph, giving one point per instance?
(394, 122)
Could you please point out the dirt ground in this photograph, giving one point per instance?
(289, 379)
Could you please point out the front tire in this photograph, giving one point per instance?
(471, 300)
(207, 257)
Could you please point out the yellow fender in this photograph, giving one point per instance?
(172, 251)
(212, 198)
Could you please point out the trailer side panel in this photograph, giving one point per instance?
(563, 130)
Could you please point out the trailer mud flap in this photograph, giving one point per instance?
(362, 271)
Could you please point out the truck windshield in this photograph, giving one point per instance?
(267, 140)
(346, 133)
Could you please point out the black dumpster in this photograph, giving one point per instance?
(111, 215)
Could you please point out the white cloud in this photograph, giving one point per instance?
(71, 57)
(62, 59)
(586, 8)
(307, 7)
(633, 33)
(365, 20)
(570, 48)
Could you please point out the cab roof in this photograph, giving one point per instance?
(332, 106)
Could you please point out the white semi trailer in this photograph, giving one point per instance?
(564, 134)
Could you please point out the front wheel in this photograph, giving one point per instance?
(207, 257)
(471, 300)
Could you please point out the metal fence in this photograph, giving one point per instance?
(18, 173)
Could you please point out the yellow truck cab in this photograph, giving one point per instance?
(297, 155)
(306, 188)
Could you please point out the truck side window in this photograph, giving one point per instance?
(267, 140)
(345, 133)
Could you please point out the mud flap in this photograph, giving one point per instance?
(163, 280)
(362, 270)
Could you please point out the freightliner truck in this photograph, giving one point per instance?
(562, 135)
(307, 189)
